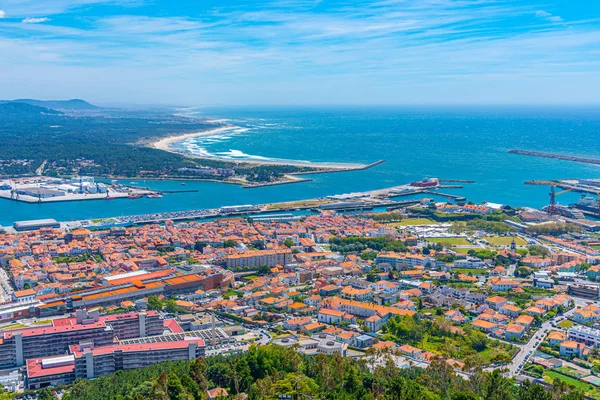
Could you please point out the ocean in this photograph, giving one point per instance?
(416, 142)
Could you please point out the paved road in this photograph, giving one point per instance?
(527, 350)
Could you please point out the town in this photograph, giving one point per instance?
(473, 285)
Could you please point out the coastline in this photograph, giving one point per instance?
(164, 145)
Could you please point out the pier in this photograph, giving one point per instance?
(450, 196)
(555, 156)
(456, 181)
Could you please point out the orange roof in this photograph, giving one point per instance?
(478, 323)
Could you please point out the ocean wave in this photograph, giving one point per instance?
(237, 154)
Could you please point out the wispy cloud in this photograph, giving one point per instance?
(548, 16)
(34, 20)
(388, 50)
(2, 13)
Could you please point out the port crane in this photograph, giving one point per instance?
(552, 209)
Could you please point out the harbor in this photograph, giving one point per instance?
(383, 198)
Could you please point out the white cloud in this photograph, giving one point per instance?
(35, 20)
(2, 14)
(547, 16)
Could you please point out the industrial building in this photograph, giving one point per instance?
(36, 224)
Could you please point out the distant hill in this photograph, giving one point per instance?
(72, 105)
(18, 110)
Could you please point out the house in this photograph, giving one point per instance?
(294, 324)
(556, 337)
(593, 273)
(410, 351)
(217, 393)
(496, 302)
(514, 331)
(570, 348)
(485, 326)
(329, 316)
(364, 341)
(525, 320)
(510, 310)
(503, 285)
(535, 311)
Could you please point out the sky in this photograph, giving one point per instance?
(208, 52)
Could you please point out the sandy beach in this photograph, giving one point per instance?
(164, 144)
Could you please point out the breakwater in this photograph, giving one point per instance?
(555, 156)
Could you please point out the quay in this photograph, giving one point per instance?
(450, 196)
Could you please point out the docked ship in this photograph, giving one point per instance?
(425, 183)
(588, 205)
(134, 196)
(154, 195)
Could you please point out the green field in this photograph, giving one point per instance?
(596, 247)
(412, 222)
(505, 240)
(457, 241)
(566, 324)
(473, 271)
(464, 250)
(586, 387)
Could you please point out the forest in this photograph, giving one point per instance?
(117, 143)
(266, 372)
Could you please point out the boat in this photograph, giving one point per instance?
(134, 196)
(426, 183)
(154, 196)
(182, 183)
(588, 204)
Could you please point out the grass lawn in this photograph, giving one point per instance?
(457, 241)
(505, 240)
(412, 222)
(596, 247)
(43, 322)
(566, 324)
(549, 376)
(463, 250)
(474, 271)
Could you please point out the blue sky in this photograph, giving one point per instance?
(195, 52)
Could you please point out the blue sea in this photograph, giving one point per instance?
(416, 142)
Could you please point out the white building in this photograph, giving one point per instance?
(584, 334)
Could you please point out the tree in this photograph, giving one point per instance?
(154, 303)
(46, 394)
(171, 306)
(288, 243)
(199, 246)
(263, 270)
(229, 243)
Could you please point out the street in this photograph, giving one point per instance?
(527, 350)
